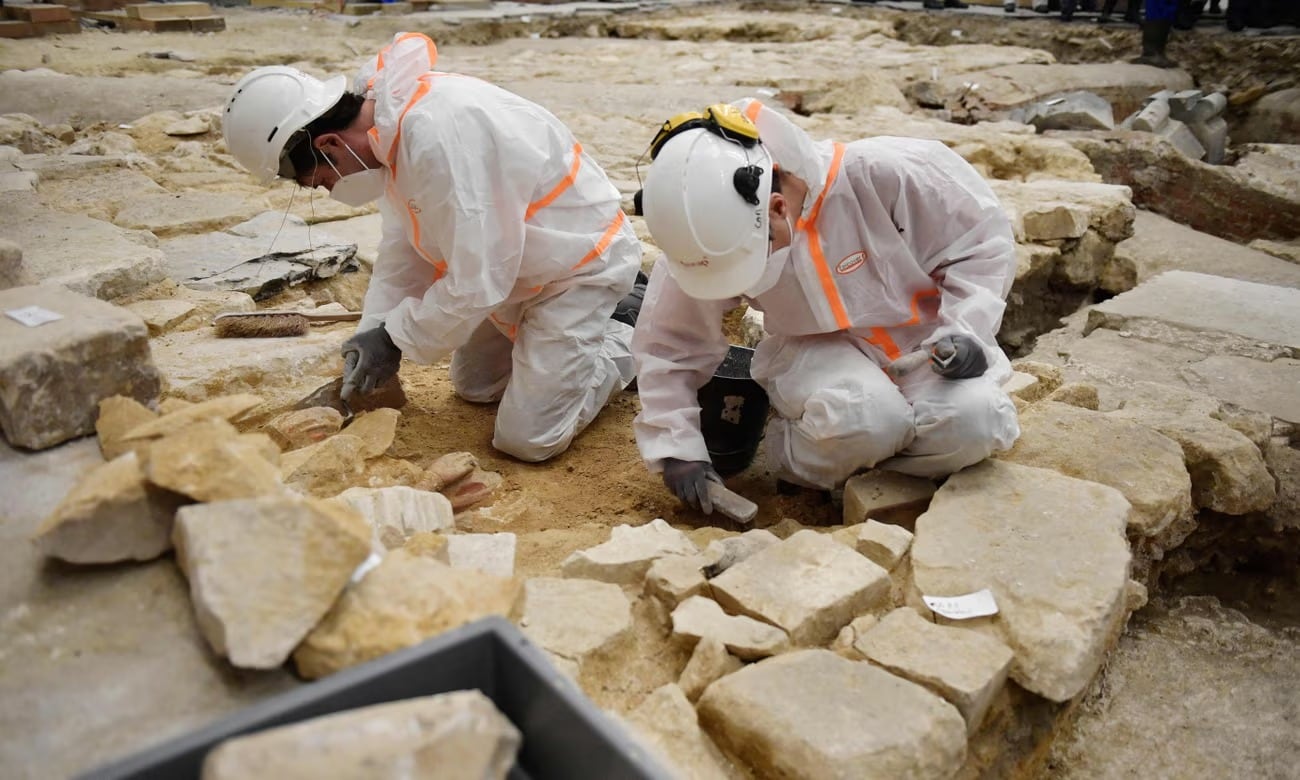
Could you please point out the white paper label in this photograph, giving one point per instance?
(31, 316)
(972, 605)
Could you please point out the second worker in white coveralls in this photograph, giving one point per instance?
(857, 254)
(504, 244)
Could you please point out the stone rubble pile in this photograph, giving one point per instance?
(1190, 120)
(288, 544)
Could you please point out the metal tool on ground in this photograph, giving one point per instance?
(732, 504)
(274, 324)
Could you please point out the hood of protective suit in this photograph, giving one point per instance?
(394, 78)
(794, 151)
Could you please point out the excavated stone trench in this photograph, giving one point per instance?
(1224, 594)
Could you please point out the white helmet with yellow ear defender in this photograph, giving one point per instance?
(267, 107)
(705, 202)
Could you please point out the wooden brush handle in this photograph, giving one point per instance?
(350, 316)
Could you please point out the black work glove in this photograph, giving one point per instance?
(370, 358)
(689, 481)
(958, 357)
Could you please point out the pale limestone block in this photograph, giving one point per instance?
(1019, 384)
(112, 515)
(210, 461)
(1049, 378)
(398, 512)
(701, 618)
(488, 553)
(965, 667)
(117, 415)
(627, 556)
(574, 618)
(376, 429)
(734, 549)
(809, 585)
(845, 643)
(1049, 221)
(886, 496)
(327, 468)
(667, 721)
(1052, 550)
(709, 661)
(883, 544)
(453, 736)
(301, 427)
(55, 374)
(1080, 394)
(674, 578)
(1135, 460)
(813, 714)
(229, 408)
(409, 597)
(163, 316)
(263, 571)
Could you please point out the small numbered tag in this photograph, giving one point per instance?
(32, 316)
(972, 605)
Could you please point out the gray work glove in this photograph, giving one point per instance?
(370, 358)
(689, 481)
(958, 357)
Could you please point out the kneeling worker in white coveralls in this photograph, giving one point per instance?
(504, 244)
(858, 254)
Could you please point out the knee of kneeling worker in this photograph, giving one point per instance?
(971, 425)
(531, 446)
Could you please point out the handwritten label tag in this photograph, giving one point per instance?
(972, 605)
(32, 316)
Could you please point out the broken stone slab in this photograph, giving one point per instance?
(626, 557)
(1121, 85)
(210, 461)
(409, 597)
(55, 374)
(965, 667)
(198, 366)
(117, 416)
(1274, 118)
(1078, 110)
(85, 255)
(173, 213)
(667, 721)
(1202, 306)
(325, 469)
(250, 257)
(886, 496)
(298, 428)
(263, 571)
(709, 662)
(458, 735)
(100, 196)
(163, 316)
(1140, 463)
(574, 618)
(674, 578)
(701, 618)
(811, 713)
(1261, 184)
(1052, 550)
(230, 408)
(809, 585)
(1109, 207)
(1049, 378)
(1160, 244)
(1087, 263)
(883, 544)
(733, 549)
(845, 643)
(447, 470)
(1228, 471)
(1080, 394)
(112, 515)
(376, 429)
(397, 513)
(488, 553)
(194, 125)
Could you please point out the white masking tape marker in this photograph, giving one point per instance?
(972, 605)
(31, 316)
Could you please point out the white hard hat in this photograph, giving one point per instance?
(705, 203)
(267, 107)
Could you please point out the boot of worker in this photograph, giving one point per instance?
(1133, 12)
(1155, 36)
(1068, 8)
(628, 309)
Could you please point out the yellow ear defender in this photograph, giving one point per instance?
(722, 118)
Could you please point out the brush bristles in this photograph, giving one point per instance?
(261, 326)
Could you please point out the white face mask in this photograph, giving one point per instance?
(360, 188)
(775, 264)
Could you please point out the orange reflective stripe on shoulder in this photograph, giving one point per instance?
(564, 184)
(604, 241)
(809, 226)
(397, 135)
(753, 109)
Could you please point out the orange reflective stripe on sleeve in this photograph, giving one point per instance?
(752, 110)
(809, 226)
(604, 241)
(564, 184)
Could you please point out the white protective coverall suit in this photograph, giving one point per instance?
(503, 242)
(900, 243)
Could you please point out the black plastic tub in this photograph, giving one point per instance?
(733, 413)
(564, 734)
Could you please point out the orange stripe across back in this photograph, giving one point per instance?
(564, 184)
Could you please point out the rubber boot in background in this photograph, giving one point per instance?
(1155, 37)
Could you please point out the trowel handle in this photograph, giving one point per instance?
(907, 363)
(733, 505)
